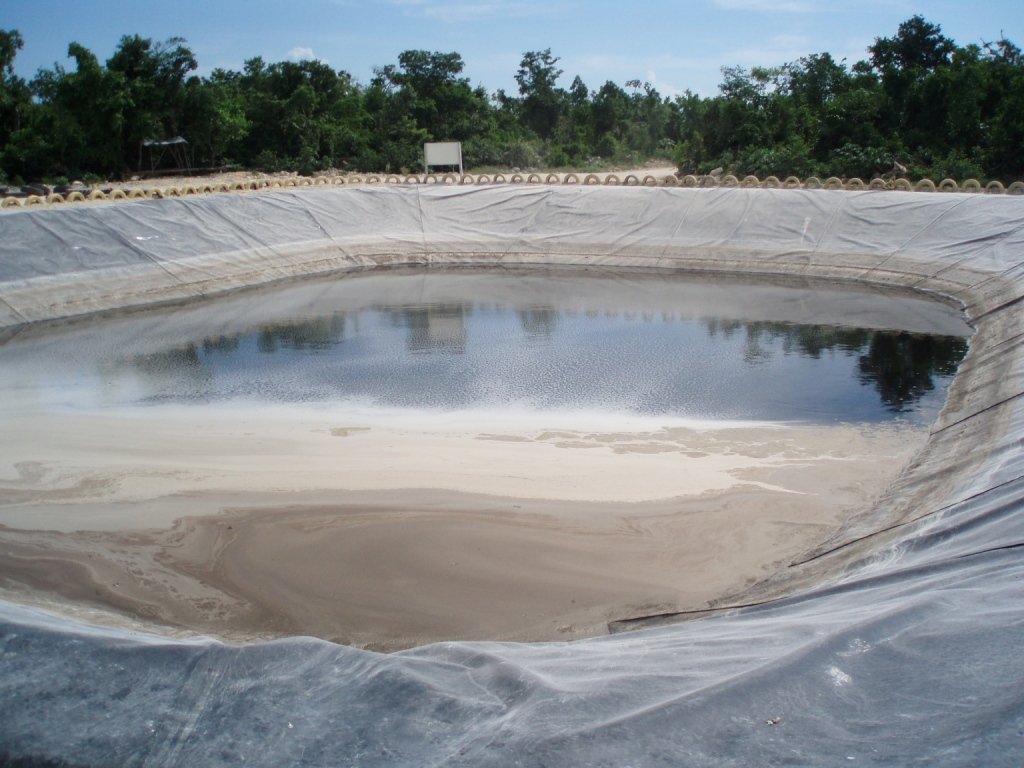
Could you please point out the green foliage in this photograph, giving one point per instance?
(15, 97)
(151, 81)
(215, 119)
(954, 165)
(918, 47)
(918, 100)
(267, 161)
(522, 154)
(853, 160)
(689, 153)
(791, 158)
(541, 101)
(426, 88)
(607, 147)
(480, 151)
(557, 157)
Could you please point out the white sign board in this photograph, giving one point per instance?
(442, 153)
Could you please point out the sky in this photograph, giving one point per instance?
(675, 45)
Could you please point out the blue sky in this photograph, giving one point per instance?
(673, 44)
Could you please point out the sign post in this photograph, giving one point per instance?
(442, 153)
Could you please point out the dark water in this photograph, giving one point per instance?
(648, 353)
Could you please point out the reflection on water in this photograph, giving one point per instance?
(318, 333)
(437, 328)
(902, 367)
(656, 361)
(538, 323)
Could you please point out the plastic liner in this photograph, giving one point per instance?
(900, 642)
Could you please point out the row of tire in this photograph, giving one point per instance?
(630, 180)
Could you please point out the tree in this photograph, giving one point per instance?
(737, 121)
(939, 108)
(816, 80)
(650, 117)
(609, 110)
(80, 118)
(572, 138)
(15, 107)
(215, 122)
(439, 102)
(152, 78)
(904, 61)
(542, 101)
(1002, 107)
(301, 115)
(918, 47)
(15, 97)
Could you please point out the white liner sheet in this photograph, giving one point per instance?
(900, 645)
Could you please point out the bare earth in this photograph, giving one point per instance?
(250, 523)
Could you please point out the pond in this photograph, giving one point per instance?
(679, 346)
(388, 459)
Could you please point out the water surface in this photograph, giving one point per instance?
(652, 345)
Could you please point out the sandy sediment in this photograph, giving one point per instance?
(387, 537)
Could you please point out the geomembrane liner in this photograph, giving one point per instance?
(899, 642)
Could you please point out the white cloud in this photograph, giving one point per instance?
(301, 53)
(665, 89)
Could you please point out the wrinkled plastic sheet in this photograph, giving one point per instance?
(908, 653)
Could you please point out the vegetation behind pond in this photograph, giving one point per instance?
(919, 104)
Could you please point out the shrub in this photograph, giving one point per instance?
(955, 165)
(689, 154)
(479, 151)
(522, 154)
(863, 162)
(607, 147)
(790, 159)
(367, 161)
(268, 162)
(308, 162)
(557, 158)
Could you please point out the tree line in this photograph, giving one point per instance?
(918, 100)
